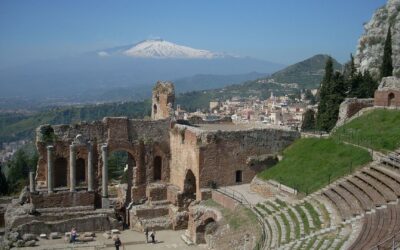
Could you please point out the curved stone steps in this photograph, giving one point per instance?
(340, 204)
(301, 224)
(353, 203)
(377, 198)
(386, 192)
(392, 184)
(365, 201)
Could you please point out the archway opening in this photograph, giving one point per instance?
(157, 167)
(120, 165)
(80, 171)
(238, 176)
(391, 99)
(60, 172)
(155, 108)
(209, 226)
(189, 188)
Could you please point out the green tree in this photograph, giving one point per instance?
(308, 120)
(3, 183)
(387, 64)
(332, 93)
(19, 166)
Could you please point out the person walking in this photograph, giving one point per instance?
(73, 235)
(146, 232)
(117, 243)
(153, 237)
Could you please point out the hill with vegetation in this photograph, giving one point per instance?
(308, 73)
(312, 163)
(17, 126)
(377, 129)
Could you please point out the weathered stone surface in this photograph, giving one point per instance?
(163, 100)
(30, 243)
(28, 237)
(370, 46)
(388, 92)
(350, 106)
(54, 235)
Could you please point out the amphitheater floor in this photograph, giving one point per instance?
(167, 239)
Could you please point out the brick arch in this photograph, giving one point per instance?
(190, 184)
(391, 98)
(207, 226)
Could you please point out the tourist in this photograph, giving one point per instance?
(146, 232)
(153, 236)
(73, 235)
(117, 242)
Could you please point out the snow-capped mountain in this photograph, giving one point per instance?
(158, 48)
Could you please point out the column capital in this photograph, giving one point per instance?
(50, 147)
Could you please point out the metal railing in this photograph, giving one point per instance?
(239, 197)
(392, 242)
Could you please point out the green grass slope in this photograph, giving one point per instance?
(310, 163)
(378, 129)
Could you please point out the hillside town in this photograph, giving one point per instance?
(275, 110)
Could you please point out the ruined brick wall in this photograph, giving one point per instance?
(224, 153)
(216, 156)
(162, 100)
(142, 139)
(382, 98)
(350, 107)
(63, 199)
(184, 155)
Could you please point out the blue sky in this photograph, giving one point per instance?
(283, 31)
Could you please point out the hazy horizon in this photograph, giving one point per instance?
(278, 32)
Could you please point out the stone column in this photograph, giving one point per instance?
(72, 168)
(105, 202)
(32, 181)
(90, 173)
(50, 163)
(104, 170)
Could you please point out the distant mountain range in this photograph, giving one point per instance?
(138, 67)
(161, 49)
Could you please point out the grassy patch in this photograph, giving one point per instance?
(314, 215)
(296, 223)
(287, 227)
(304, 219)
(311, 243)
(310, 163)
(378, 129)
(272, 205)
(263, 207)
(281, 203)
(238, 218)
(278, 226)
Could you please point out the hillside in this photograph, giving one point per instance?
(308, 73)
(377, 129)
(310, 163)
(16, 126)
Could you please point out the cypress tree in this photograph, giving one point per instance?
(308, 120)
(333, 91)
(387, 64)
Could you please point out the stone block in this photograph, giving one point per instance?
(43, 236)
(30, 243)
(107, 235)
(105, 202)
(54, 235)
(28, 237)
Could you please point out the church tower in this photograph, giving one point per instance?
(163, 100)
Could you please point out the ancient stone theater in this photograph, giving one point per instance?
(171, 164)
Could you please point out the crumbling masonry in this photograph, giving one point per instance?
(171, 165)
